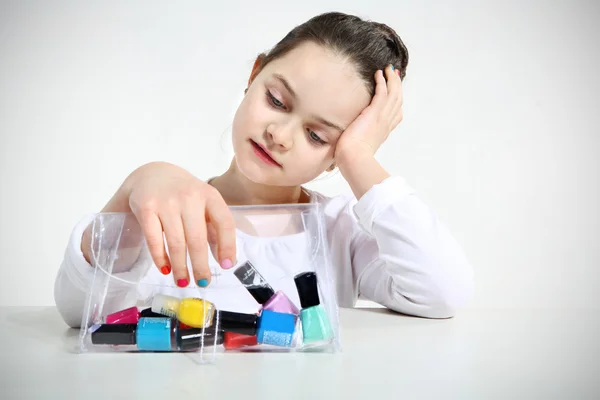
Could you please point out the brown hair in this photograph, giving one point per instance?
(368, 45)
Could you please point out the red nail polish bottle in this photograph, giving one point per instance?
(237, 340)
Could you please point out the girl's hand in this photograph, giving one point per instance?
(191, 213)
(374, 124)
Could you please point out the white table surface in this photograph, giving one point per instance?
(476, 355)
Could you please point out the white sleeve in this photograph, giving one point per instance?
(75, 275)
(404, 258)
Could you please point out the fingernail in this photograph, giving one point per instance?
(182, 282)
(203, 282)
(165, 270)
(392, 67)
(226, 264)
(398, 72)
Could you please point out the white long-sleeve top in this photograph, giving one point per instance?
(388, 247)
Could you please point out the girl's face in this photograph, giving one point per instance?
(286, 128)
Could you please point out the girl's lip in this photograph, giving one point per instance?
(267, 152)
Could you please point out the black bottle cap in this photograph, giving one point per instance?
(115, 334)
(254, 282)
(306, 283)
(237, 322)
(148, 313)
(193, 338)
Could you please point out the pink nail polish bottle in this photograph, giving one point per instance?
(280, 303)
(129, 315)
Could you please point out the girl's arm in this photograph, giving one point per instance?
(75, 276)
(404, 258)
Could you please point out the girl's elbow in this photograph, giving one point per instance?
(437, 301)
(449, 299)
(451, 292)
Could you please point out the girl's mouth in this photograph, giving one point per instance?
(263, 154)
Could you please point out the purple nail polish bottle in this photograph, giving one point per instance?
(280, 303)
(262, 292)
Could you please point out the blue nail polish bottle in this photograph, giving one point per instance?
(155, 334)
(276, 328)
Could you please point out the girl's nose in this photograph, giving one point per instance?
(281, 134)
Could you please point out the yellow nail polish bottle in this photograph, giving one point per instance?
(195, 312)
(165, 305)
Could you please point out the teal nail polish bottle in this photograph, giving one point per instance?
(315, 323)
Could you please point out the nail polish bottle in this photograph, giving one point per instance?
(193, 338)
(234, 340)
(244, 324)
(155, 334)
(129, 315)
(196, 313)
(276, 328)
(165, 305)
(148, 313)
(315, 324)
(114, 334)
(181, 325)
(262, 292)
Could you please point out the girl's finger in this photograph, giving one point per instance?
(153, 232)
(392, 106)
(380, 90)
(194, 223)
(393, 83)
(392, 111)
(397, 113)
(211, 233)
(224, 224)
(388, 107)
(173, 227)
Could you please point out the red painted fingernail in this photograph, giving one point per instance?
(182, 282)
(398, 72)
(165, 270)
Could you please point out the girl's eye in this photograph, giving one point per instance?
(278, 104)
(315, 138)
(273, 100)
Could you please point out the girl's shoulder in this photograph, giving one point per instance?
(334, 206)
(392, 194)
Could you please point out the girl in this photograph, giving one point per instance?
(325, 97)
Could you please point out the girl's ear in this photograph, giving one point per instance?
(258, 65)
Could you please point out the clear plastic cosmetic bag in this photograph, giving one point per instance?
(279, 297)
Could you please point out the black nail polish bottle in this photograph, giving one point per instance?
(244, 324)
(254, 283)
(262, 292)
(115, 334)
(148, 313)
(193, 338)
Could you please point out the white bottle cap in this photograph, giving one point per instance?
(165, 305)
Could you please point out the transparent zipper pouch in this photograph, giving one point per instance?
(278, 297)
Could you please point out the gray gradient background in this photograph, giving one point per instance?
(500, 134)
